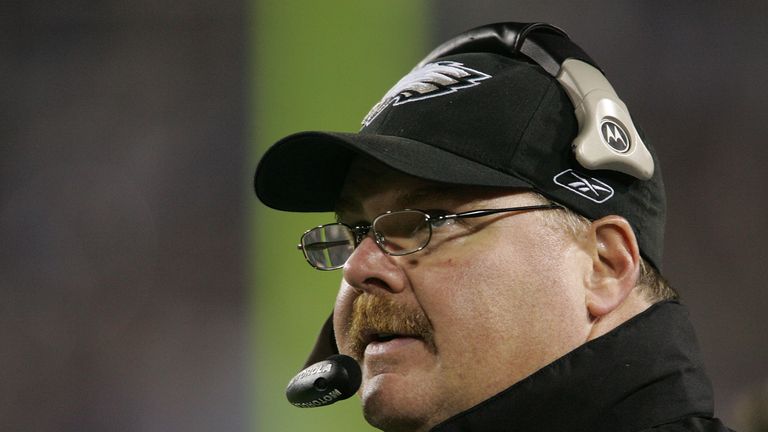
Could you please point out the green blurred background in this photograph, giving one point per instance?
(145, 289)
(316, 66)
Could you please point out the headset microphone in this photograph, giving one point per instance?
(333, 379)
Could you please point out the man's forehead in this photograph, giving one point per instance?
(401, 197)
(368, 179)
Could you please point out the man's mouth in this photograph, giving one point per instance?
(372, 336)
(382, 343)
(384, 337)
(377, 341)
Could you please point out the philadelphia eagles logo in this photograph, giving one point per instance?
(431, 80)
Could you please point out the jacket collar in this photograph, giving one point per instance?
(643, 373)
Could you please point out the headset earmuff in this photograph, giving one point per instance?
(607, 138)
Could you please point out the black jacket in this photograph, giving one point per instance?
(645, 375)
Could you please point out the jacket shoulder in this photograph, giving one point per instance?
(691, 424)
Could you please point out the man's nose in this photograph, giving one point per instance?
(370, 269)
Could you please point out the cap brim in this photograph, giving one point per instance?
(305, 172)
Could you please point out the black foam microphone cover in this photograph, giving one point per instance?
(325, 382)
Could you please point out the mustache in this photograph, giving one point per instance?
(374, 314)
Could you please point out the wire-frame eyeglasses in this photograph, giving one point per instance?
(402, 232)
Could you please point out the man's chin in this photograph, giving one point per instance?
(390, 403)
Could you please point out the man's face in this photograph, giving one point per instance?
(488, 302)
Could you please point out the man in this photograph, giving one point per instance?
(499, 263)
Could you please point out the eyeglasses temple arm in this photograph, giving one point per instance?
(486, 212)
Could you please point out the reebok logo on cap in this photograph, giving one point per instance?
(431, 80)
(588, 187)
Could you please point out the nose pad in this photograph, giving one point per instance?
(379, 239)
(363, 232)
(360, 233)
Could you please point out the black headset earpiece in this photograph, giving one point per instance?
(607, 136)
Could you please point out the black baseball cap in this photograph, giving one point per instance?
(476, 118)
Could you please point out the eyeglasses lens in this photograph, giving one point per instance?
(402, 232)
(328, 247)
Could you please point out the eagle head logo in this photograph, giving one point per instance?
(428, 81)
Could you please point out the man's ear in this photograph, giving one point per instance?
(615, 264)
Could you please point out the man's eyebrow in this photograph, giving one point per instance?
(407, 199)
(415, 197)
(346, 206)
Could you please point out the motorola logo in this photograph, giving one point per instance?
(614, 135)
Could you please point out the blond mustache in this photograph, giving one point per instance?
(372, 313)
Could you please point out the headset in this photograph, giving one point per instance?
(607, 137)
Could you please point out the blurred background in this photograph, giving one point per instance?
(145, 289)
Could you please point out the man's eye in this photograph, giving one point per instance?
(437, 221)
